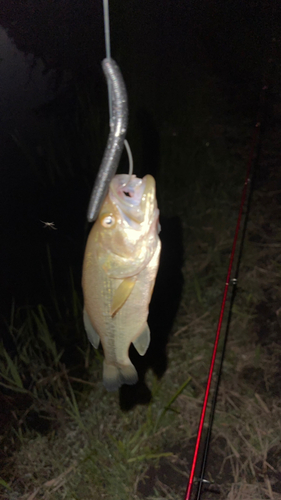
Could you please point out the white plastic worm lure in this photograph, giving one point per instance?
(115, 143)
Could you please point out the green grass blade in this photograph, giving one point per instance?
(3, 483)
(13, 370)
(172, 400)
(13, 387)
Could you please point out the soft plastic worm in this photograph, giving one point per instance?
(115, 143)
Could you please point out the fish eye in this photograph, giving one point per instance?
(107, 221)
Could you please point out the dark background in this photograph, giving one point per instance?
(160, 47)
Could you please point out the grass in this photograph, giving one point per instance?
(105, 456)
(89, 447)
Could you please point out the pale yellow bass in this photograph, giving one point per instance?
(119, 270)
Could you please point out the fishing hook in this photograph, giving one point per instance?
(115, 142)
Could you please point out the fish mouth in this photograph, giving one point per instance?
(135, 198)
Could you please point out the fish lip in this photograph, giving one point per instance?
(139, 188)
(140, 209)
(130, 207)
(119, 186)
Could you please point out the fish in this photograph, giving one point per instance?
(119, 270)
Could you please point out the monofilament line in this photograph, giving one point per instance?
(107, 51)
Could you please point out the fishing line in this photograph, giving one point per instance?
(131, 163)
(248, 182)
(108, 56)
(108, 52)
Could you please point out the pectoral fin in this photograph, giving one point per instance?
(91, 332)
(121, 294)
(142, 342)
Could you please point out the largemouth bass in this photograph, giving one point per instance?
(119, 270)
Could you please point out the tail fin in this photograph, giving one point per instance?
(115, 376)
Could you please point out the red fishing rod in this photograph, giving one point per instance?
(269, 76)
(245, 199)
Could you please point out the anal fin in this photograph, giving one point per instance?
(142, 342)
(91, 332)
